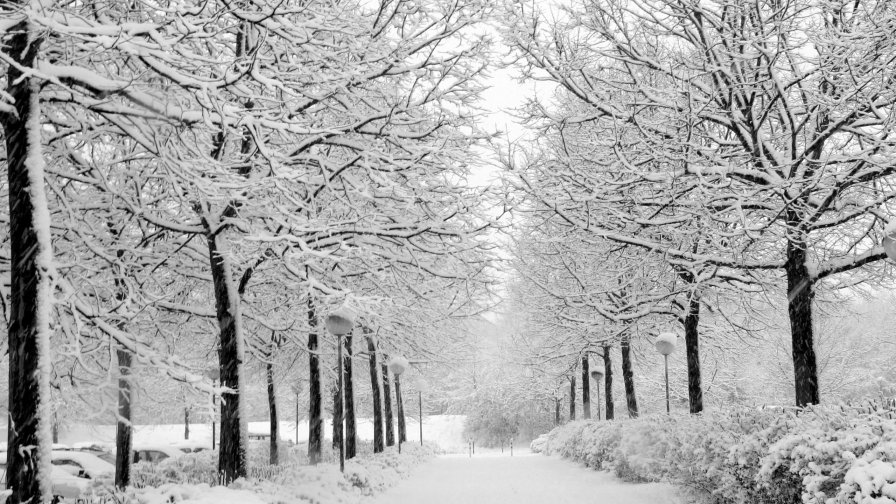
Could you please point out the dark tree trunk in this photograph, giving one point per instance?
(375, 392)
(232, 447)
(628, 378)
(557, 411)
(387, 408)
(186, 422)
(800, 294)
(586, 389)
(350, 424)
(315, 420)
(399, 410)
(572, 398)
(30, 287)
(55, 428)
(608, 383)
(124, 428)
(691, 341)
(272, 409)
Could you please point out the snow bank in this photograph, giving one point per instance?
(821, 455)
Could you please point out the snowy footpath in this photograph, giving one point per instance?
(522, 479)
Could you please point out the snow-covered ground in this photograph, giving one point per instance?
(444, 430)
(521, 479)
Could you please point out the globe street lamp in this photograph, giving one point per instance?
(340, 323)
(889, 241)
(597, 375)
(665, 345)
(297, 390)
(398, 365)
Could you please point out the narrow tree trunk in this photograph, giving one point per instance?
(124, 428)
(387, 408)
(272, 409)
(557, 411)
(315, 413)
(351, 436)
(55, 428)
(375, 392)
(628, 378)
(399, 409)
(608, 383)
(232, 446)
(572, 398)
(186, 422)
(800, 294)
(586, 389)
(691, 341)
(28, 463)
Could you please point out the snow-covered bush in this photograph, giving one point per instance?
(821, 455)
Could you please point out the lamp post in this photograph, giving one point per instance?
(597, 375)
(420, 384)
(340, 323)
(665, 345)
(213, 373)
(297, 390)
(398, 365)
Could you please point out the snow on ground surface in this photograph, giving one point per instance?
(444, 430)
(521, 479)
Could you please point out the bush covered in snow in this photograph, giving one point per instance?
(191, 479)
(821, 455)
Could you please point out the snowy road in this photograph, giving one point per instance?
(525, 479)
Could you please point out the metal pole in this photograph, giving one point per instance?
(666, 359)
(297, 418)
(598, 400)
(342, 402)
(420, 413)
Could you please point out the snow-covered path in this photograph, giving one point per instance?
(522, 479)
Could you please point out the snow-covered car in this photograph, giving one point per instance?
(538, 444)
(190, 446)
(154, 453)
(82, 464)
(64, 485)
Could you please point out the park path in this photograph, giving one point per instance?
(522, 479)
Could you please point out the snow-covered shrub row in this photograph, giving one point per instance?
(191, 479)
(821, 455)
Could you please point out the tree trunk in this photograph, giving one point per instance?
(572, 398)
(124, 428)
(608, 383)
(272, 409)
(375, 392)
(232, 446)
(31, 255)
(586, 389)
(349, 393)
(387, 408)
(186, 422)
(55, 428)
(399, 410)
(800, 294)
(628, 378)
(556, 411)
(691, 341)
(315, 420)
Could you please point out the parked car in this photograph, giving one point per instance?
(65, 486)
(82, 464)
(154, 453)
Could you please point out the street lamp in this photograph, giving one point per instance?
(340, 323)
(214, 373)
(297, 390)
(889, 241)
(597, 375)
(420, 384)
(665, 345)
(398, 365)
